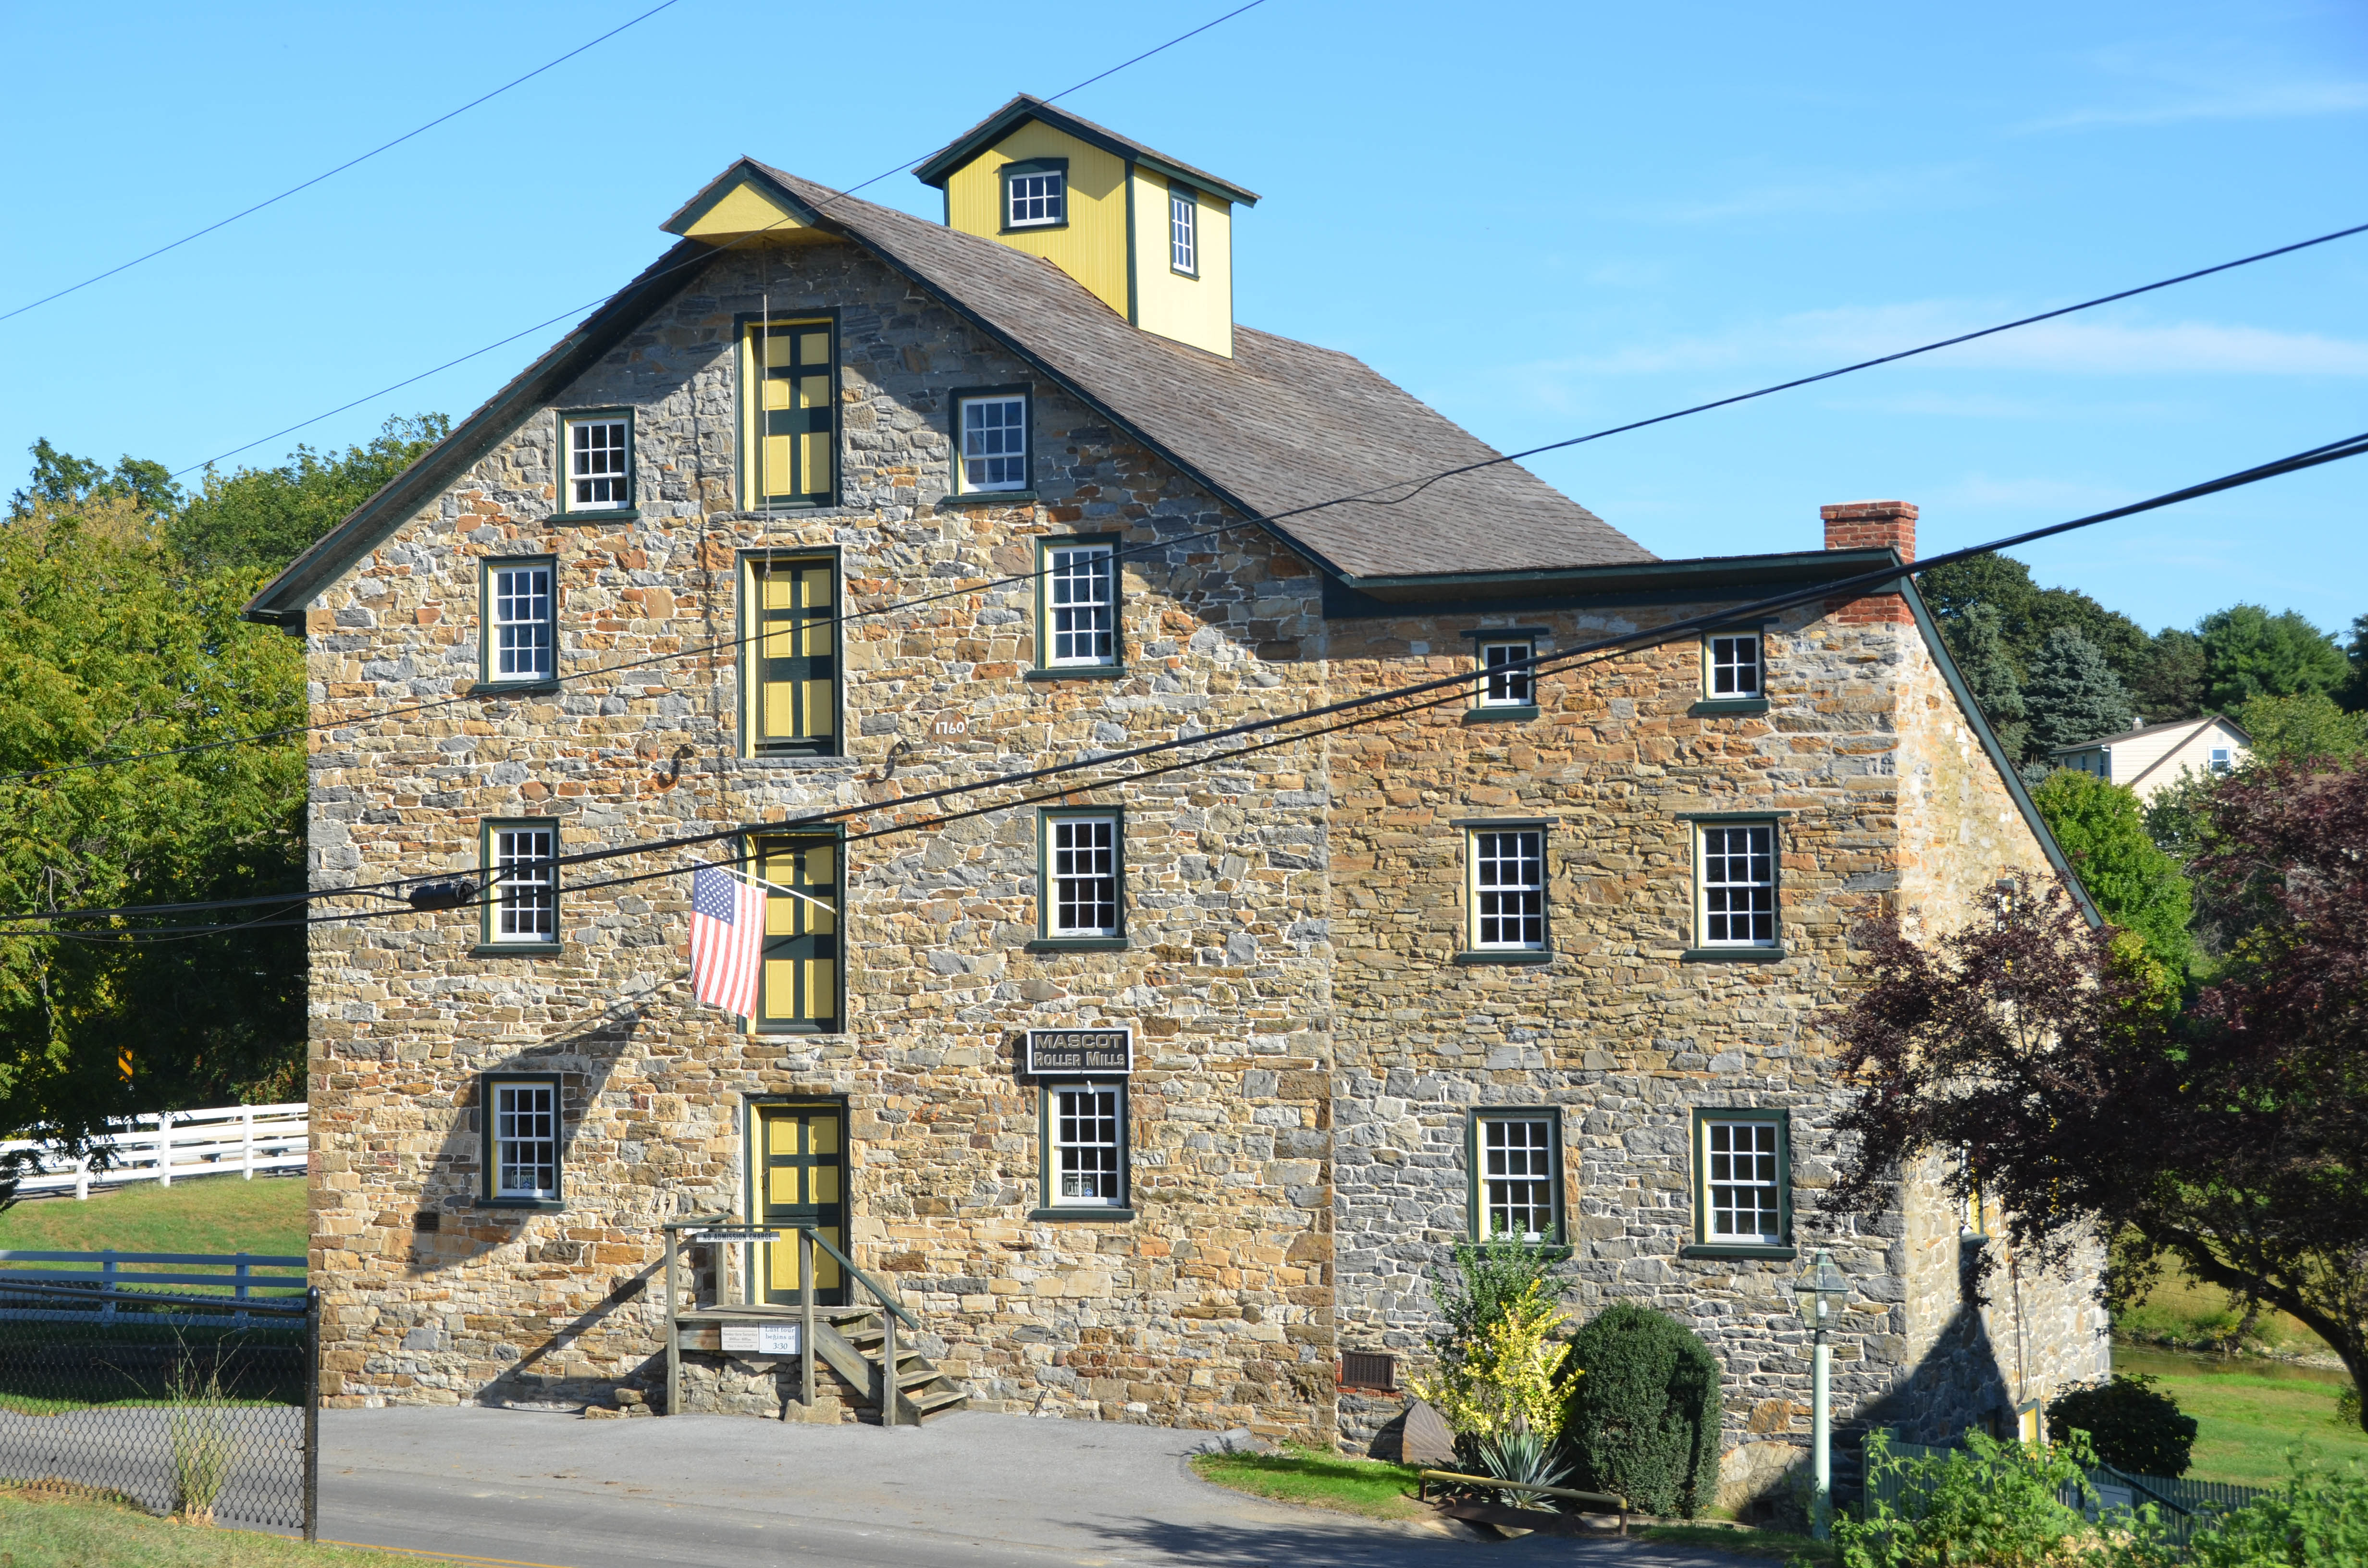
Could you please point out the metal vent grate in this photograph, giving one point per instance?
(1364, 1369)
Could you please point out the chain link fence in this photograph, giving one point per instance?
(170, 1403)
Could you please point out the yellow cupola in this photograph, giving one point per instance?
(1151, 238)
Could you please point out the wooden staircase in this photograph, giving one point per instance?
(856, 1353)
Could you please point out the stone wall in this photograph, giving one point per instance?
(1211, 1309)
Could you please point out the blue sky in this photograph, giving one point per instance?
(1542, 219)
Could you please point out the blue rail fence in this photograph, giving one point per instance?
(2184, 1506)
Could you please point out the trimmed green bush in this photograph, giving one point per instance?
(2132, 1428)
(1642, 1419)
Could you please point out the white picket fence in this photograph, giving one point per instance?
(242, 1138)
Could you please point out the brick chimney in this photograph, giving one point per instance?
(1870, 525)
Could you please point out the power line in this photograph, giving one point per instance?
(648, 278)
(1365, 498)
(341, 168)
(1451, 686)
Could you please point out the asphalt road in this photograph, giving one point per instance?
(969, 1491)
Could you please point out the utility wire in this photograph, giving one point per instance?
(646, 278)
(1157, 546)
(341, 168)
(1449, 686)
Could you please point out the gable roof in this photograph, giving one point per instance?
(1280, 426)
(940, 166)
(2118, 736)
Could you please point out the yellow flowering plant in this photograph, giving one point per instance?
(1505, 1377)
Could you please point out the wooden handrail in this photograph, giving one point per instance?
(886, 1300)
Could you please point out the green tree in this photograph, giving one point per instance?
(1989, 675)
(2250, 653)
(2132, 882)
(2170, 680)
(61, 480)
(109, 647)
(266, 517)
(2073, 694)
(2300, 727)
(2028, 614)
(2354, 695)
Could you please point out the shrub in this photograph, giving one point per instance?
(1989, 1503)
(1642, 1419)
(2131, 1426)
(2320, 1520)
(1505, 1377)
(1483, 1281)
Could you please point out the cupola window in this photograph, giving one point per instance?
(1035, 198)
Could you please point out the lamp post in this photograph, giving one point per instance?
(1820, 1291)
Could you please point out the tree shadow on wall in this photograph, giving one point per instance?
(454, 1222)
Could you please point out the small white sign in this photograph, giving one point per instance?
(761, 1338)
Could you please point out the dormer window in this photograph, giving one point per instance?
(1036, 195)
(1183, 230)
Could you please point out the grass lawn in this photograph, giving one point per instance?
(1370, 1487)
(208, 1214)
(2182, 1312)
(2248, 1417)
(100, 1534)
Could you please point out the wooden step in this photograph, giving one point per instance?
(934, 1403)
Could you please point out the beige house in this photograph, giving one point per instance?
(2153, 758)
(1152, 1091)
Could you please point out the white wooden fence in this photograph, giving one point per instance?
(242, 1138)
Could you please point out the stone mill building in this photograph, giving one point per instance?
(867, 553)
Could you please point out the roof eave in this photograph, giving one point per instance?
(939, 166)
(1621, 577)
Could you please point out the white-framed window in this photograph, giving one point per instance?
(1036, 198)
(1732, 665)
(1738, 885)
(1084, 1145)
(1520, 1175)
(2222, 759)
(599, 463)
(521, 620)
(1183, 230)
(525, 906)
(1081, 875)
(1509, 889)
(1080, 605)
(1742, 1164)
(1507, 678)
(522, 1138)
(995, 442)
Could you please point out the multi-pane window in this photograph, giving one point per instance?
(1036, 198)
(1086, 1144)
(1183, 230)
(525, 906)
(1506, 675)
(995, 442)
(521, 620)
(1509, 889)
(1743, 1182)
(1518, 1155)
(522, 1138)
(798, 985)
(791, 659)
(1080, 605)
(2221, 761)
(1081, 876)
(1732, 665)
(1738, 886)
(599, 464)
(792, 437)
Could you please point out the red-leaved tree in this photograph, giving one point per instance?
(2232, 1136)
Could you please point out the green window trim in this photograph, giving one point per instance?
(960, 488)
(1721, 842)
(1051, 936)
(1181, 193)
(1506, 885)
(792, 698)
(1727, 675)
(1513, 690)
(1708, 1242)
(517, 622)
(496, 1118)
(1117, 1166)
(606, 473)
(529, 921)
(1500, 1167)
(1003, 177)
(804, 945)
(829, 1212)
(1052, 660)
(789, 424)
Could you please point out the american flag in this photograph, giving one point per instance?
(727, 928)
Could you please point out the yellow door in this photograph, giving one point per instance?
(800, 1179)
